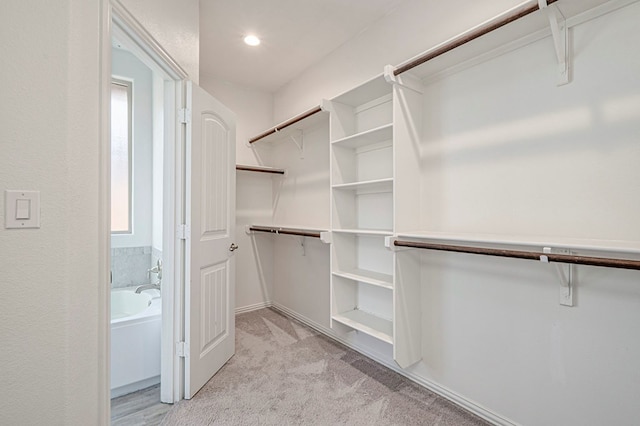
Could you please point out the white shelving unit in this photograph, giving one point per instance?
(365, 322)
(374, 129)
(362, 179)
(367, 277)
(373, 136)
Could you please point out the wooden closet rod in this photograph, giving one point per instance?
(549, 257)
(259, 169)
(287, 231)
(472, 35)
(286, 124)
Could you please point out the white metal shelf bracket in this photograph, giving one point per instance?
(559, 32)
(565, 273)
(297, 137)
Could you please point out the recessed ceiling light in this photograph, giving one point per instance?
(252, 40)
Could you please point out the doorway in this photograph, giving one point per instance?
(137, 264)
(147, 245)
(197, 142)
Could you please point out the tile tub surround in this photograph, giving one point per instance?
(129, 265)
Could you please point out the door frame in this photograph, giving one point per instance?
(117, 21)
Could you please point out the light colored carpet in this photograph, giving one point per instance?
(284, 373)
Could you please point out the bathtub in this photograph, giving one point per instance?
(136, 327)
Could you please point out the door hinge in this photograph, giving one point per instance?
(182, 350)
(184, 232)
(184, 114)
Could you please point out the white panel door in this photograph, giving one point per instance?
(210, 203)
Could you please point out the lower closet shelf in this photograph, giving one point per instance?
(369, 277)
(372, 325)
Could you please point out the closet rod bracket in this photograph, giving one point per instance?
(558, 25)
(565, 274)
(389, 244)
(325, 237)
(407, 81)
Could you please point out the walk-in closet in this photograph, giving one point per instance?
(334, 212)
(466, 217)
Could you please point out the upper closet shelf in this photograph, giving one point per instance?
(369, 186)
(303, 121)
(369, 137)
(495, 36)
(371, 232)
(375, 88)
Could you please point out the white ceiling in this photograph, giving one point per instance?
(295, 34)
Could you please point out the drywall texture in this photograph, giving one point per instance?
(416, 25)
(253, 109)
(175, 26)
(50, 143)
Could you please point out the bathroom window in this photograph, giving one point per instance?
(121, 135)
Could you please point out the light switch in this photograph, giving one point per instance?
(21, 209)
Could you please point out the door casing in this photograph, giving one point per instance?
(116, 21)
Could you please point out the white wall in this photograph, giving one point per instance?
(254, 113)
(175, 26)
(302, 199)
(127, 66)
(49, 297)
(254, 109)
(515, 152)
(413, 27)
(507, 152)
(49, 136)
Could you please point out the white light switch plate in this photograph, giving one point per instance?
(24, 205)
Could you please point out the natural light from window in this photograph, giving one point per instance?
(120, 157)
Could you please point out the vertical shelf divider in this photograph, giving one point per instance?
(407, 134)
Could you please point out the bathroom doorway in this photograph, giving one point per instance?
(146, 204)
(137, 127)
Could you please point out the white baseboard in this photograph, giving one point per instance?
(254, 307)
(312, 324)
(457, 399)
